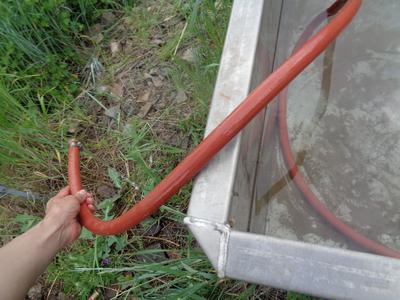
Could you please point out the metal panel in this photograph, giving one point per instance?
(312, 269)
(240, 70)
(224, 204)
(246, 59)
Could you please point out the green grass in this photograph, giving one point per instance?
(298, 296)
(36, 48)
(25, 136)
(189, 276)
(40, 58)
(37, 127)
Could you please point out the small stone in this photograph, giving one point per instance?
(157, 81)
(61, 296)
(157, 42)
(147, 76)
(95, 29)
(188, 55)
(128, 46)
(110, 293)
(35, 292)
(180, 97)
(114, 48)
(164, 72)
(128, 108)
(185, 142)
(154, 71)
(72, 130)
(102, 89)
(107, 18)
(98, 38)
(154, 229)
(105, 191)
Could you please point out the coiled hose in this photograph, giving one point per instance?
(307, 49)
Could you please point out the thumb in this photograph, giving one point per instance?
(81, 196)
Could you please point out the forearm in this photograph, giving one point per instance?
(26, 257)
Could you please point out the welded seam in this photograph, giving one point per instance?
(224, 230)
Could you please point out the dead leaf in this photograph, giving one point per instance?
(168, 18)
(173, 255)
(144, 96)
(117, 89)
(40, 174)
(145, 109)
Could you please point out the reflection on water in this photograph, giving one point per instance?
(348, 148)
(280, 184)
(318, 114)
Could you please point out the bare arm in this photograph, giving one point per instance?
(27, 256)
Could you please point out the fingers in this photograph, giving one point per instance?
(81, 196)
(64, 192)
(90, 202)
(64, 195)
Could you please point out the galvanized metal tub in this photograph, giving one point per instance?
(246, 214)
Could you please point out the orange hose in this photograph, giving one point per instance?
(220, 136)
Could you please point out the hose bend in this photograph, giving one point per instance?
(344, 12)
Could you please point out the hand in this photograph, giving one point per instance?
(62, 211)
(27, 256)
